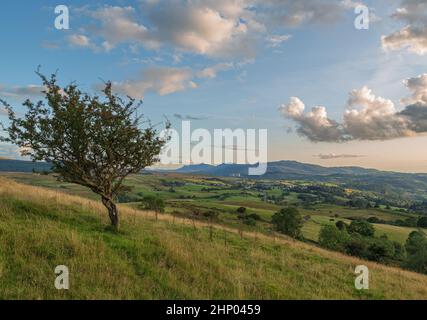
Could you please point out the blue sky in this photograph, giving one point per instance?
(237, 64)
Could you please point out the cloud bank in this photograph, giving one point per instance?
(413, 36)
(367, 116)
(233, 29)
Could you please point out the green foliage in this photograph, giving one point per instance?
(211, 214)
(356, 246)
(332, 238)
(249, 221)
(373, 220)
(341, 225)
(241, 210)
(361, 227)
(422, 222)
(364, 246)
(288, 221)
(380, 250)
(416, 249)
(154, 203)
(88, 140)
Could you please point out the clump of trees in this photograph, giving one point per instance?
(357, 239)
(362, 227)
(332, 238)
(94, 141)
(288, 221)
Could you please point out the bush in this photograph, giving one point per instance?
(332, 238)
(381, 250)
(373, 220)
(357, 246)
(361, 227)
(211, 215)
(253, 216)
(399, 251)
(241, 210)
(416, 249)
(288, 221)
(341, 225)
(422, 222)
(153, 203)
(249, 221)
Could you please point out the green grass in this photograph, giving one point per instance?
(197, 198)
(166, 259)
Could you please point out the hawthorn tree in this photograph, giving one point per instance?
(94, 141)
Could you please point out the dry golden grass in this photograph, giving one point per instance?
(168, 258)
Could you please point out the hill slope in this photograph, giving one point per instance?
(10, 165)
(166, 259)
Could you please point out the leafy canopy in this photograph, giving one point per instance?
(88, 140)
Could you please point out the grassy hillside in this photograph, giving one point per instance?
(166, 259)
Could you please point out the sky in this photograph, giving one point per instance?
(327, 92)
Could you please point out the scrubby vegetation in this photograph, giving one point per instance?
(358, 240)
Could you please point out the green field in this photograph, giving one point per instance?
(166, 259)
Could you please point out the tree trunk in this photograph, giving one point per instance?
(113, 212)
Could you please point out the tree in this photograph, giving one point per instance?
(92, 141)
(380, 249)
(356, 246)
(332, 238)
(361, 227)
(422, 222)
(416, 249)
(153, 203)
(288, 221)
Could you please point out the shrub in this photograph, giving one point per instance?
(381, 250)
(422, 222)
(249, 221)
(153, 203)
(288, 221)
(341, 225)
(416, 248)
(253, 216)
(373, 220)
(332, 238)
(357, 246)
(241, 210)
(361, 227)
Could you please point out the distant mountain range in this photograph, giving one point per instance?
(10, 165)
(284, 169)
(385, 182)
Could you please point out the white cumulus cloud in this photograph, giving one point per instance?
(367, 116)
